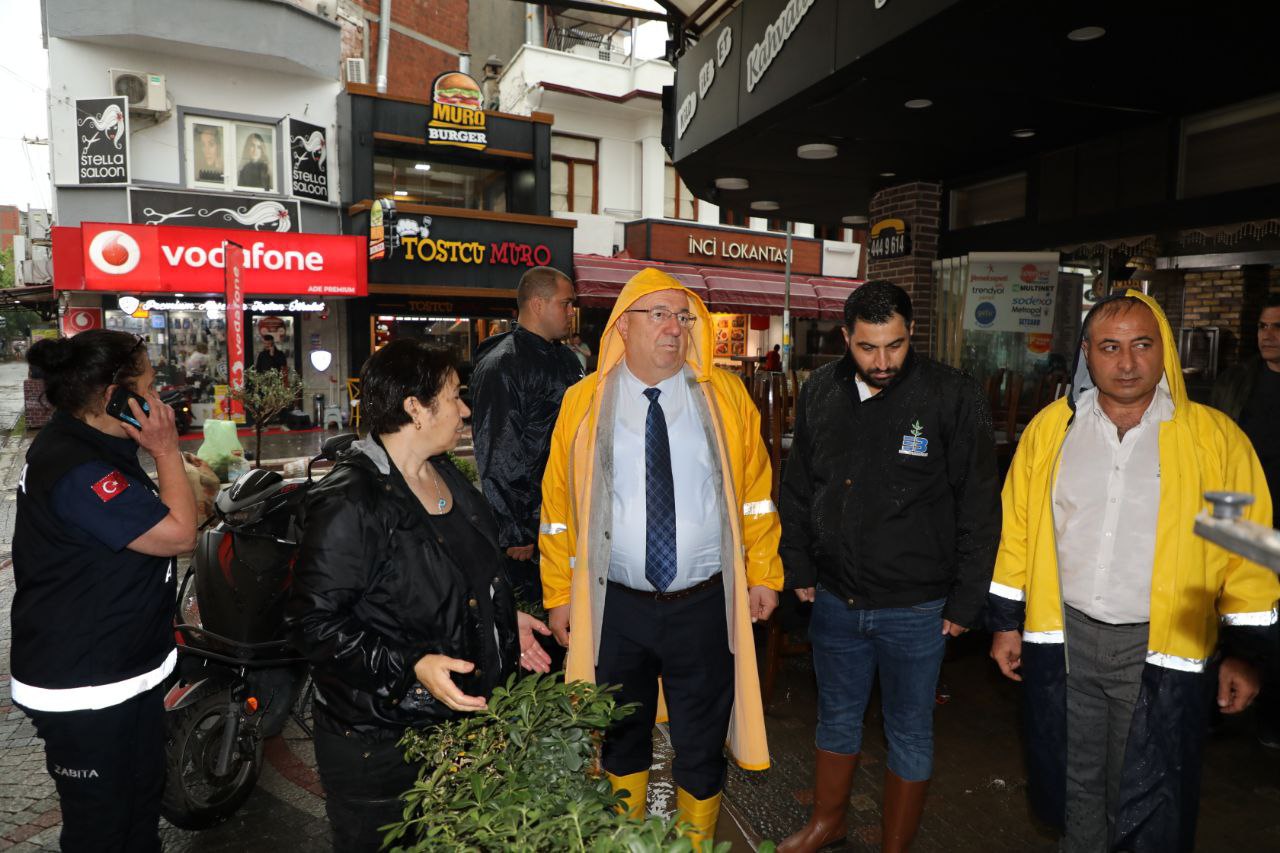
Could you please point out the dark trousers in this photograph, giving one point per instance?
(685, 642)
(108, 766)
(363, 779)
(526, 581)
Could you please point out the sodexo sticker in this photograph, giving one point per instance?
(985, 314)
(114, 252)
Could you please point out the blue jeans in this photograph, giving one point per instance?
(906, 644)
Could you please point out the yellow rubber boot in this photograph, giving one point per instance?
(701, 815)
(634, 787)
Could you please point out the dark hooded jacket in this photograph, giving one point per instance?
(516, 389)
(895, 500)
(376, 586)
(1202, 598)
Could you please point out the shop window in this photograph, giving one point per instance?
(574, 174)
(678, 202)
(439, 183)
(999, 200)
(224, 154)
(1231, 149)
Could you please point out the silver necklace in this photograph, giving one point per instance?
(441, 503)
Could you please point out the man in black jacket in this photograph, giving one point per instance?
(519, 379)
(890, 507)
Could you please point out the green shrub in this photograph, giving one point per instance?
(466, 466)
(521, 776)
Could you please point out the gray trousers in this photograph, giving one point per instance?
(1105, 673)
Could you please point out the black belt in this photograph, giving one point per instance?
(715, 580)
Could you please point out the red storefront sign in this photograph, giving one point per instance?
(117, 257)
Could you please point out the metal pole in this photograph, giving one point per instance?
(786, 308)
(384, 45)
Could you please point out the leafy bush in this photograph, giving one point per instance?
(466, 466)
(522, 776)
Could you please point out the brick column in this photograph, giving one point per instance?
(918, 204)
(1230, 300)
(37, 409)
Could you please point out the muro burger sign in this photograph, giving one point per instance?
(142, 258)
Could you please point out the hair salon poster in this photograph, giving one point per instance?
(102, 140)
(308, 153)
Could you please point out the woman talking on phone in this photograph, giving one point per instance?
(93, 561)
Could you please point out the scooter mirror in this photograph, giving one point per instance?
(335, 445)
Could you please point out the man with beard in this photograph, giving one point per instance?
(890, 520)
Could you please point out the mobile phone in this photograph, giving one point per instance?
(118, 406)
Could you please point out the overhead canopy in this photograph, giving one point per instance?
(844, 74)
(599, 280)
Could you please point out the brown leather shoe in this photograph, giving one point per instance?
(903, 805)
(832, 781)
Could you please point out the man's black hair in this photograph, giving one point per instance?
(875, 302)
(1272, 301)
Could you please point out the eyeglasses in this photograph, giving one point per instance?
(1263, 327)
(131, 359)
(659, 316)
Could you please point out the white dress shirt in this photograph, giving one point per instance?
(697, 499)
(1106, 502)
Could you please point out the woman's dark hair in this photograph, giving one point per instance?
(77, 370)
(403, 368)
(875, 302)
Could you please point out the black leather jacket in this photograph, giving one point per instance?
(516, 390)
(375, 589)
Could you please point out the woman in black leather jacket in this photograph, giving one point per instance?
(400, 600)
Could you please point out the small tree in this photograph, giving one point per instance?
(265, 395)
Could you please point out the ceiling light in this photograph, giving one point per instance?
(765, 205)
(918, 103)
(888, 174)
(732, 183)
(1086, 33)
(855, 219)
(179, 295)
(1024, 133)
(402, 192)
(816, 151)
(422, 167)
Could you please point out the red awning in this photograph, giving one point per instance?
(763, 293)
(832, 293)
(600, 280)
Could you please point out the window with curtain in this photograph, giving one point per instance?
(678, 202)
(574, 174)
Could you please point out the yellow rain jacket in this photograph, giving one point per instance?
(1196, 588)
(576, 506)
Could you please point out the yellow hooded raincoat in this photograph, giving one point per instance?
(1197, 589)
(573, 538)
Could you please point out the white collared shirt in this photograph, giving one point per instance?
(1106, 503)
(697, 500)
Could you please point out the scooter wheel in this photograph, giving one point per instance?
(196, 796)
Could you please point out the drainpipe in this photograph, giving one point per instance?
(464, 63)
(384, 44)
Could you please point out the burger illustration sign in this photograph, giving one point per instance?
(457, 114)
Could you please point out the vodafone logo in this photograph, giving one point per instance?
(114, 252)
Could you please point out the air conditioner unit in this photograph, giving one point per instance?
(146, 92)
(357, 70)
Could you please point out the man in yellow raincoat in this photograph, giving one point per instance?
(1123, 625)
(659, 544)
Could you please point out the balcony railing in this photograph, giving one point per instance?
(582, 42)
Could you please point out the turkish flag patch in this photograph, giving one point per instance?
(110, 486)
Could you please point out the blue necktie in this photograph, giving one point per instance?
(659, 498)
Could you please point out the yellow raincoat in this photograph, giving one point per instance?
(1200, 594)
(572, 499)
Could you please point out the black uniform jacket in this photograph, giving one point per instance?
(516, 390)
(376, 588)
(895, 500)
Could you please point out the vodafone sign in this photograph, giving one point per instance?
(168, 259)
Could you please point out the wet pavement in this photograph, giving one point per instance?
(977, 800)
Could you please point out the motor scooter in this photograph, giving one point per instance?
(238, 680)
